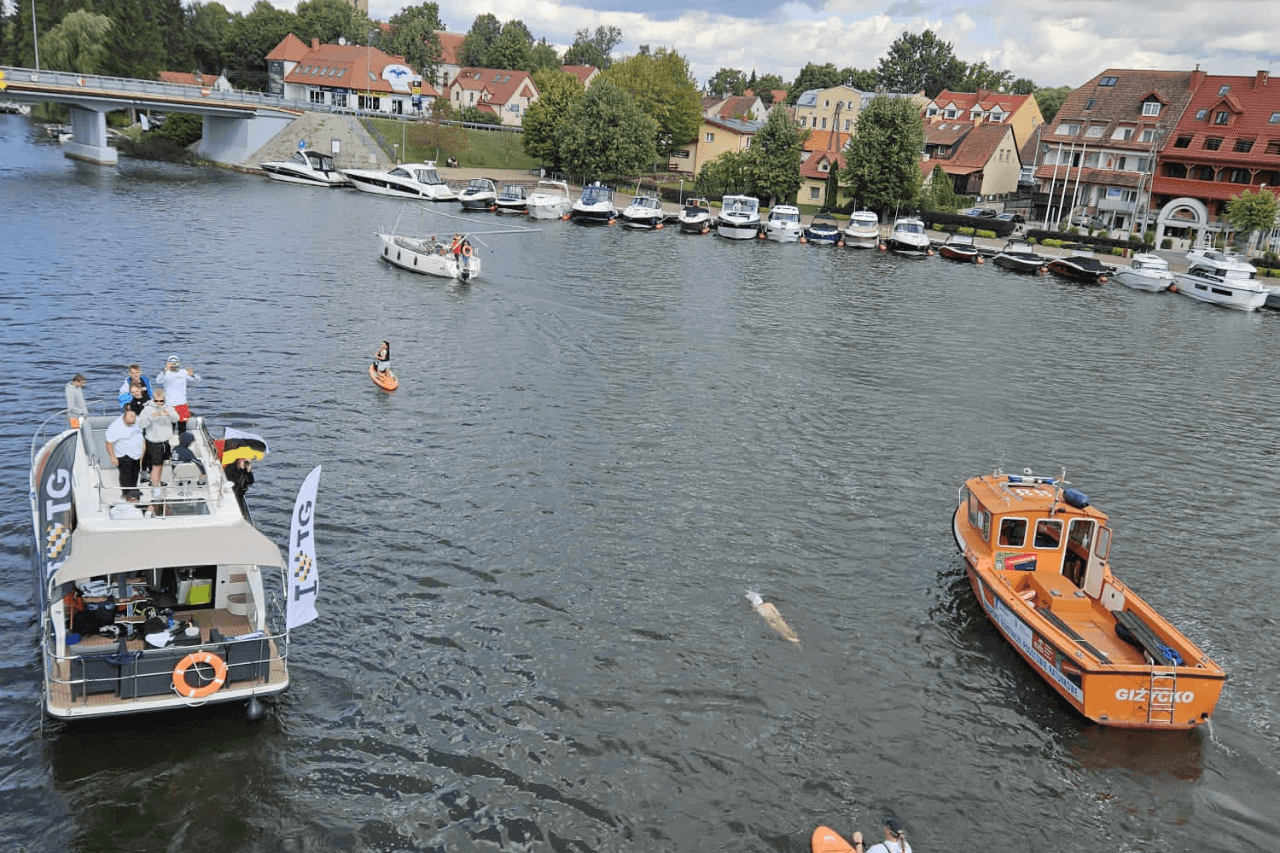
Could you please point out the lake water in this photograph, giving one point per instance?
(534, 554)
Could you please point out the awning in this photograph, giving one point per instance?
(126, 551)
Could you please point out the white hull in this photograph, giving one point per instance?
(783, 232)
(1153, 282)
(287, 176)
(1247, 295)
(738, 230)
(306, 167)
(908, 238)
(428, 258)
(739, 217)
(861, 239)
(550, 200)
(386, 184)
(695, 224)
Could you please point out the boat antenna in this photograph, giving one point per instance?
(1057, 490)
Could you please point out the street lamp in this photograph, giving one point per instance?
(35, 39)
(368, 70)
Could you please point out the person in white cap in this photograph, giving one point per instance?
(174, 381)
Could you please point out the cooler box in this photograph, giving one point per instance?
(201, 592)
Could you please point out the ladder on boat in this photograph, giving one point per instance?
(1163, 692)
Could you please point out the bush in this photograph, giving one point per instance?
(181, 129)
(1166, 243)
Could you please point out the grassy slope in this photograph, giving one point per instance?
(477, 149)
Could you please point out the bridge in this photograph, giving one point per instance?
(236, 124)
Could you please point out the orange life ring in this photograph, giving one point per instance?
(180, 675)
(466, 250)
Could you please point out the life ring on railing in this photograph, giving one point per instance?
(180, 675)
(466, 250)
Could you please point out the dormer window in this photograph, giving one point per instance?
(1151, 108)
(1221, 117)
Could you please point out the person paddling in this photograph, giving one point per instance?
(382, 358)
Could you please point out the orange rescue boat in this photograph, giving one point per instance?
(1036, 554)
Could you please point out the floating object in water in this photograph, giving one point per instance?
(772, 616)
(386, 381)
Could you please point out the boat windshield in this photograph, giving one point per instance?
(786, 216)
(596, 195)
(479, 184)
(427, 176)
(299, 158)
(912, 227)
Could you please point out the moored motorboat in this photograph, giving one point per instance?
(908, 237)
(549, 200)
(307, 167)
(1222, 279)
(783, 224)
(431, 256)
(644, 212)
(160, 597)
(513, 198)
(695, 216)
(863, 230)
(960, 247)
(1080, 266)
(1021, 256)
(739, 217)
(594, 206)
(823, 230)
(479, 194)
(1147, 271)
(1037, 554)
(408, 180)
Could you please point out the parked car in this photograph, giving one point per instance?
(1093, 223)
(980, 212)
(1016, 218)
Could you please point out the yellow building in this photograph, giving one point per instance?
(715, 137)
(837, 108)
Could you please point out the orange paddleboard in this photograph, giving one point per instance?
(827, 840)
(386, 381)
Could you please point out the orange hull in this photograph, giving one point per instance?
(1036, 557)
(386, 382)
(827, 840)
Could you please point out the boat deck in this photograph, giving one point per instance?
(1082, 618)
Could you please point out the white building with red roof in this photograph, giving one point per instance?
(214, 82)
(346, 77)
(506, 94)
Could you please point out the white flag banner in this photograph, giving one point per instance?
(304, 578)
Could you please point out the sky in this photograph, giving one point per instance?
(1052, 42)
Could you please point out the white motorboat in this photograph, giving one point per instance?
(166, 597)
(479, 194)
(1223, 280)
(783, 224)
(514, 198)
(1147, 271)
(863, 230)
(308, 167)
(645, 211)
(431, 256)
(695, 216)
(908, 237)
(549, 200)
(594, 206)
(739, 217)
(408, 180)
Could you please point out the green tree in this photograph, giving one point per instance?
(607, 134)
(942, 192)
(729, 172)
(479, 40)
(251, 38)
(775, 159)
(557, 93)
(209, 26)
(978, 75)
(862, 79)
(513, 49)
(1252, 211)
(813, 77)
(414, 36)
(660, 84)
(1022, 86)
(765, 85)
(1050, 101)
(883, 159)
(726, 82)
(542, 56)
(475, 115)
(330, 20)
(135, 44)
(77, 44)
(595, 49)
(921, 62)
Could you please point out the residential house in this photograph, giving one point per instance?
(1021, 112)
(820, 156)
(1227, 141)
(779, 98)
(345, 77)
(506, 94)
(740, 107)
(981, 158)
(208, 82)
(716, 136)
(586, 74)
(838, 107)
(450, 59)
(1097, 156)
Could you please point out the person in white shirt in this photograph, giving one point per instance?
(157, 421)
(77, 409)
(895, 840)
(174, 381)
(124, 447)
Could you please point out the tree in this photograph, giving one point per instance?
(726, 82)
(728, 173)
(513, 49)
(1022, 86)
(543, 56)
(595, 49)
(209, 26)
(883, 158)
(921, 62)
(660, 84)
(1252, 211)
(77, 44)
(942, 192)
(250, 40)
(765, 85)
(813, 77)
(484, 31)
(330, 20)
(135, 43)
(1050, 101)
(862, 79)
(414, 36)
(557, 93)
(978, 75)
(775, 158)
(606, 134)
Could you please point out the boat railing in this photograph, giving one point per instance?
(181, 495)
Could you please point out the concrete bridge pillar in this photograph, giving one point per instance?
(89, 137)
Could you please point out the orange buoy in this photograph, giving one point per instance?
(979, 260)
(706, 230)
(658, 227)
(611, 221)
(180, 675)
(1173, 288)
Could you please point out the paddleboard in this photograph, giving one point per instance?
(827, 840)
(387, 381)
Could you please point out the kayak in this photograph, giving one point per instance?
(827, 840)
(386, 381)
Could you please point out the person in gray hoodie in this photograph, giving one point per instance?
(77, 410)
(157, 420)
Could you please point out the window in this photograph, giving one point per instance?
(1175, 170)
(1151, 108)
(1200, 114)
(1244, 146)
(1239, 176)
(1095, 131)
(950, 114)
(1182, 142)
(1108, 81)
(824, 122)
(708, 137)
(339, 99)
(1068, 129)
(824, 167)
(316, 96)
(1148, 135)
(1013, 532)
(826, 105)
(931, 112)
(1224, 90)
(1090, 105)
(1048, 533)
(813, 192)
(1122, 133)
(1221, 117)
(1273, 146)
(1213, 143)
(1275, 118)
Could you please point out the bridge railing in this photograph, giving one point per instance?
(107, 86)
